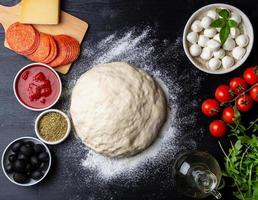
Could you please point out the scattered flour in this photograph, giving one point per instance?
(161, 60)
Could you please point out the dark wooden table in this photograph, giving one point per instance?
(64, 182)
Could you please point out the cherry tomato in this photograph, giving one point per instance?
(251, 75)
(223, 93)
(254, 93)
(238, 85)
(228, 115)
(218, 128)
(210, 107)
(244, 103)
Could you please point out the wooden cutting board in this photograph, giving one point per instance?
(69, 25)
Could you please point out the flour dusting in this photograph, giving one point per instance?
(160, 58)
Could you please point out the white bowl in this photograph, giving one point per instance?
(17, 97)
(247, 26)
(66, 134)
(8, 151)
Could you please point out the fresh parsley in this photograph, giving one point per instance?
(225, 23)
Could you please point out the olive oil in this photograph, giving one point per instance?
(197, 175)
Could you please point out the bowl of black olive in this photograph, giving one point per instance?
(26, 161)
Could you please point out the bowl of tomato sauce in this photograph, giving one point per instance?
(37, 86)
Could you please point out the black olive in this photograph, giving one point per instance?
(12, 157)
(37, 175)
(9, 168)
(43, 156)
(20, 178)
(19, 166)
(29, 167)
(38, 148)
(22, 157)
(26, 150)
(16, 146)
(43, 166)
(34, 161)
(29, 144)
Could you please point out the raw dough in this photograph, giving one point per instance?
(117, 110)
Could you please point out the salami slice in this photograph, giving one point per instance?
(53, 50)
(43, 50)
(73, 49)
(62, 49)
(22, 38)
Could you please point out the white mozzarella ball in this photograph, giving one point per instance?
(242, 40)
(218, 29)
(195, 50)
(213, 45)
(238, 53)
(216, 37)
(229, 45)
(214, 64)
(236, 17)
(212, 14)
(206, 53)
(219, 53)
(206, 21)
(196, 26)
(202, 40)
(234, 32)
(192, 37)
(227, 62)
(210, 32)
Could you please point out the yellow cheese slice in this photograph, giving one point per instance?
(40, 11)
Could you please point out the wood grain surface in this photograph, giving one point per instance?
(65, 181)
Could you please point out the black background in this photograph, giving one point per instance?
(168, 17)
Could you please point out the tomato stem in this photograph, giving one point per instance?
(224, 104)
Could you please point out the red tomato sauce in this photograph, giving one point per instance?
(37, 87)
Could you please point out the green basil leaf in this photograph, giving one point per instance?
(224, 13)
(232, 23)
(223, 34)
(219, 23)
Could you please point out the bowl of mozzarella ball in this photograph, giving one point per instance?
(218, 38)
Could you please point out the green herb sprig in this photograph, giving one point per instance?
(225, 23)
(241, 163)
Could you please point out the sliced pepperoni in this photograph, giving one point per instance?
(43, 50)
(53, 52)
(62, 51)
(73, 49)
(22, 38)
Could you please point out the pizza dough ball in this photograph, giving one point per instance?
(236, 17)
(219, 54)
(210, 32)
(206, 21)
(214, 64)
(192, 37)
(227, 62)
(206, 53)
(195, 50)
(234, 32)
(238, 53)
(229, 44)
(117, 110)
(213, 44)
(202, 40)
(216, 37)
(212, 14)
(242, 40)
(196, 26)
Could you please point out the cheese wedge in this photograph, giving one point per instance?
(40, 11)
